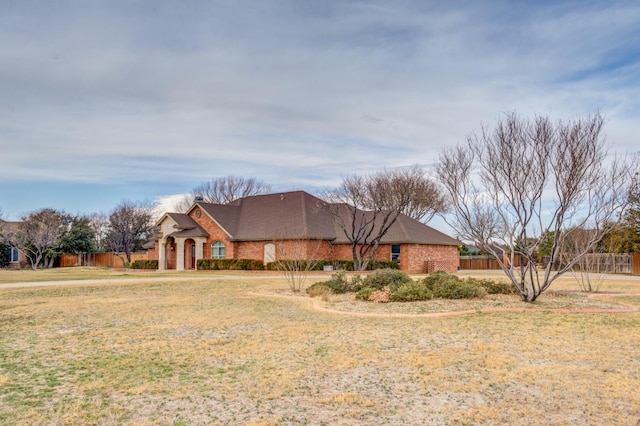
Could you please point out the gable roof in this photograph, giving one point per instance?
(184, 226)
(300, 215)
(280, 216)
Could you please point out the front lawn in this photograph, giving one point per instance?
(222, 351)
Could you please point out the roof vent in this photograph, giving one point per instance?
(198, 198)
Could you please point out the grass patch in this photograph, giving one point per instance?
(208, 351)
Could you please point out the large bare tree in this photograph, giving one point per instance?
(427, 200)
(225, 189)
(514, 185)
(129, 227)
(38, 233)
(365, 207)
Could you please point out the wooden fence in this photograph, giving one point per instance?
(606, 263)
(112, 260)
(478, 262)
(596, 262)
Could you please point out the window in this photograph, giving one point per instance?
(15, 255)
(395, 252)
(217, 250)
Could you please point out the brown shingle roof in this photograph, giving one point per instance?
(404, 230)
(282, 216)
(299, 215)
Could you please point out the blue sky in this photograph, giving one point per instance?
(106, 100)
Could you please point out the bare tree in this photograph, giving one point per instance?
(524, 180)
(129, 227)
(365, 207)
(427, 200)
(223, 190)
(38, 233)
(99, 223)
(295, 259)
(587, 270)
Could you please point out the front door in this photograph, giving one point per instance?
(193, 256)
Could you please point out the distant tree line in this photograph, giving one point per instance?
(44, 234)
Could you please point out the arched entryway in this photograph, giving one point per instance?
(190, 254)
(170, 253)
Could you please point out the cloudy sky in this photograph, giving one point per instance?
(108, 100)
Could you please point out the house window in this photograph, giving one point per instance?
(15, 255)
(395, 252)
(217, 250)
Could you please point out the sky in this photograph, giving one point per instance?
(102, 101)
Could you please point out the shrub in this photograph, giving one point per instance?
(338, 284)
(144, 264)
(458, 289)
(230, 264)
(437, 279)
(494, 287)
(411, 292)
(382, 264)
(386, 277)
(319, 290)
(365, 293)
(449, 286)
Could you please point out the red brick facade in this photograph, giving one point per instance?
(414, 258)
(185, 238)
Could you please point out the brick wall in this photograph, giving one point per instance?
(299, 249)
(417, 258)
(215, 234)
(343, 252)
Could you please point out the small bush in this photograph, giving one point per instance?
(144, 264)
(411, 292)
(319, 290)
(437, 279)
(386, 277)
(338, 284)
(460, 290)
(365, 293)
(447, 286)
(494, 287)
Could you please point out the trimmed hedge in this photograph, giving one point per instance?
(230, 265)
(340, 265)
(144, 264)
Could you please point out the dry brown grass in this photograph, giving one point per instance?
(211, 351)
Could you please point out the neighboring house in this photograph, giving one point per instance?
(257, 227)
(17, 259)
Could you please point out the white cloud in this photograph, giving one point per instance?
(295, 93)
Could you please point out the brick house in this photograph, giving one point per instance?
(270, 227)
